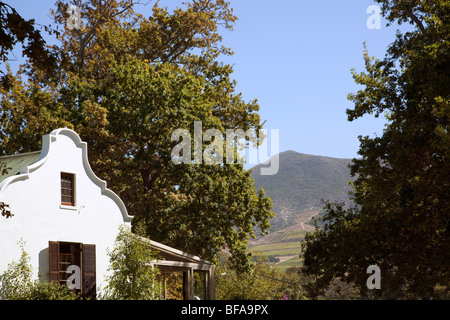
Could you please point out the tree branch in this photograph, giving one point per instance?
(414, 18)
(105, 15)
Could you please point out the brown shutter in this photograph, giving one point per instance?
(53, 252)
(89, 278)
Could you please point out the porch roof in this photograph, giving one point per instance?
(168, 253)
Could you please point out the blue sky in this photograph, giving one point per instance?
(294, 57)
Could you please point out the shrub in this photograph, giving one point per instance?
(133, 277)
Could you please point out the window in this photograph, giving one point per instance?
(65, 254)
(69, 254)
(67, 189)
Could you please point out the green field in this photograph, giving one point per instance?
(293, 262)
(277, 249)
(283, 245)
(297, 235)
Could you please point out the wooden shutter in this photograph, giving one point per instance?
(89, 267)
(53, 253)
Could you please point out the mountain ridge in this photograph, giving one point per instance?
(301, 183)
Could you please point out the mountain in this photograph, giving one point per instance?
(300, 184)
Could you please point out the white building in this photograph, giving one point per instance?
(67, 216)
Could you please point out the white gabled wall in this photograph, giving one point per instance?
(34, 198)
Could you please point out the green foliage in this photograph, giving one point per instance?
(296, 287)
(13, 29)
(50, 290)
(264, 282)
(16, 283)
(125, 83)
(132, 275)
(293, 284)
(260, 283)
(402, 186)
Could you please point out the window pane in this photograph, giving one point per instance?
(67, 188)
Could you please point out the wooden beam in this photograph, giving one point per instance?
(182, 264)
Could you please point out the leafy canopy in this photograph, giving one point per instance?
(125, 82)
(402, 188)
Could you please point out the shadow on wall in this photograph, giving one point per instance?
(43, 265)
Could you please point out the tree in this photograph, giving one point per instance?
(135, 81)
(13, 29)
(296, 285)
(261, 282)
(402, 187)
(132, 275)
